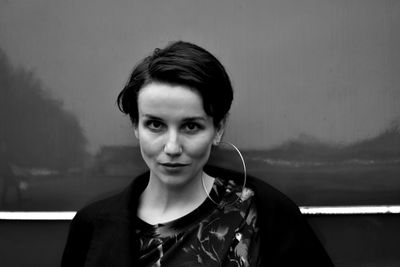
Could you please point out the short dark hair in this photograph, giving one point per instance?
(185, 64)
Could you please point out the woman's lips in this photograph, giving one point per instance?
(173, 164)
(173, 167)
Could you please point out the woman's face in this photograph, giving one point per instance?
(175, 134)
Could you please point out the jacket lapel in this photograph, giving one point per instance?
(114, 242)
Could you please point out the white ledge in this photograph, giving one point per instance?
(306, 210)
(351, 210)
(37, 215)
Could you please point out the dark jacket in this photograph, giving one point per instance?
(101, 233)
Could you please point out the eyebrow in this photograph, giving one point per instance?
(196, 118)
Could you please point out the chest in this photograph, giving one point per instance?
(112, 244)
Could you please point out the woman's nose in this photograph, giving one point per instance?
(172, 146)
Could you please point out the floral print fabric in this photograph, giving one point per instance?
(212, 235)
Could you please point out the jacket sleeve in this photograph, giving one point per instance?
(286, 237)
(78, 241)
(299, 245)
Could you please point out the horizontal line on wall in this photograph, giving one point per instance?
(306, 210)
(351, 210)
(37, 215)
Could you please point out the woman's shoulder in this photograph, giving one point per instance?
(271, 200)
(98, 208)
(266, 195)
(114, 206)
(266, 191)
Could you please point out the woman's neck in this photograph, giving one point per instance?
(161, 203)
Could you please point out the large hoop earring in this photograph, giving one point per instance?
(244, 175)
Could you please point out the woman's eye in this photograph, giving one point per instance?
(154, 125)
(192, 127)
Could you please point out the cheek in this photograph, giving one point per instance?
(199, 149)
(148, 146)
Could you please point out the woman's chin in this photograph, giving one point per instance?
(173, 178)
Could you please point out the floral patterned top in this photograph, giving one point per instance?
(211, 235)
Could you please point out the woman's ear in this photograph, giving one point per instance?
(220, 132)
(136, 130)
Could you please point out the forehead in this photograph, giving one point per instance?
(159, 99)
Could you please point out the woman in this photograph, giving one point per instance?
(182, 213)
